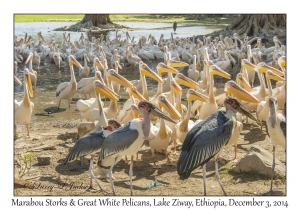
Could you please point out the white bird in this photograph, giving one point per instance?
(85, 85)
(23, 109)
(67, 90)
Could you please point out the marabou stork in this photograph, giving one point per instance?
(207, 138)
(276, 130)
(127, 140)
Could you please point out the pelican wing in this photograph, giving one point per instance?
(84, 82)
(203, 142)
(17, 104)
(61, 87)
(87, 144)
(117, 141)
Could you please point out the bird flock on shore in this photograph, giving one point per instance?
(161, 119)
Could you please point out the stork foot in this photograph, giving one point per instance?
(269, 193)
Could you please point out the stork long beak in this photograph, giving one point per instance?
(16, 79)
(169, 108)
(193, 95)
(263, 68)
(240, 93)
(29, 58)
(246, 64)
(73, 61)
(114, 76)
(145, 70)
(215, 70)
(241, 109)
(157, 112)
(177, 64)
(183, 80)
(100, 88)
(243, 81)
(28, 82)
(161, 67)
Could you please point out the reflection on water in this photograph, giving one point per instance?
(49, 76)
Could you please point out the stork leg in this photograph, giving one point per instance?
(218, 177)
(69, 103)
(93, 176)
(15, 128)
(204, 178)
(110, 175)
(130, 174)
(273, 168)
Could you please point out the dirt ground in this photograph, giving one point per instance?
(73, 179)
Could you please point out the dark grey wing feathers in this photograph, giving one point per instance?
(86, 144)
(283, 127)
(117, 141)
(214, 132)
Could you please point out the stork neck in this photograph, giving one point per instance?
(146, 124)
(229, 113)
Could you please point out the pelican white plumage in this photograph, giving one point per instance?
(67, 90)
(184, 126)
(85, 71)
(32, 73)
(162, 136)
(23, 109)
(85, 85)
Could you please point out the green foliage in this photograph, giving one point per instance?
(183, 18)
(25, 161)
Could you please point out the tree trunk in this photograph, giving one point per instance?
(96, 19)
(255, 25)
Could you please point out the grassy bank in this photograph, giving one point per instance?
(189, 18)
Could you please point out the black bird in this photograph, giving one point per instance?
(206, 139)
